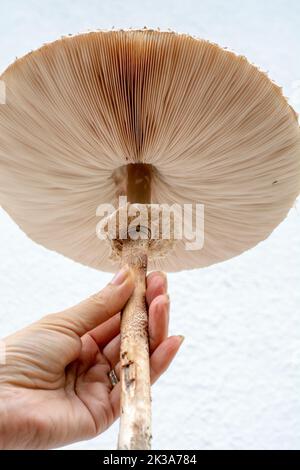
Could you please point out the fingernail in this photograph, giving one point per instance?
(120, 276)
(181, 338)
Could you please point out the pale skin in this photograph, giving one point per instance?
(54, 386)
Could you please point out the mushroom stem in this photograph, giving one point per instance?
(135, 423)
(139, 183)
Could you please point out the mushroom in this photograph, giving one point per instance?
(161, 118)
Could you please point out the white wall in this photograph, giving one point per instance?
(236, 382)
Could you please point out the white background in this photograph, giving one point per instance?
(236, 381)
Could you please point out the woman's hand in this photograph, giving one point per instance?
(54, 387)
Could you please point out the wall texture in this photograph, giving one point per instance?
(236, 382)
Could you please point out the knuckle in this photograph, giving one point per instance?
(101, 301)
(49, 318)
(57, 322)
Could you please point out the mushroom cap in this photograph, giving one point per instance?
(216, 130)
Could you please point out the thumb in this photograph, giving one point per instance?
(99, 307)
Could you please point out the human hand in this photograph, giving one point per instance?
(54, 387)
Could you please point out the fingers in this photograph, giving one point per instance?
(156, 285)
(164, 355)
(88, 354)
(158, 329)
(159, 363)
(96, 309)
(112, 351)
(105, 332)
(158, 320)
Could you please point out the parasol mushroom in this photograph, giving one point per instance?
(158, 117)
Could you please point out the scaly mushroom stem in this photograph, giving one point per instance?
(135, 426)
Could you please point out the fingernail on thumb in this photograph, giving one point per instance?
(120, 276)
